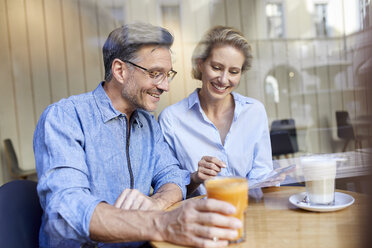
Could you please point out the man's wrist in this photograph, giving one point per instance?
(159, 202)
(167, 195)
(159, 224)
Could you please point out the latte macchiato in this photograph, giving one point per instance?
(320, 174)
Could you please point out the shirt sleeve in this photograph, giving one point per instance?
(166, 128)
(63, 186)
(262, 157)
(167, 169)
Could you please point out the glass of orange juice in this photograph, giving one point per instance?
(233, 190)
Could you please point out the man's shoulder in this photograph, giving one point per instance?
(77, 99)
(68, 105)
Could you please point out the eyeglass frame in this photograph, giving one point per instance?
(149, 73)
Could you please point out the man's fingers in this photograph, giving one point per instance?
(132, 199)
(223, 222)
(145, 205)
(137, 203)
(119, 201)
(213, 205)
(202, 223)
(128, 202)
(205, 234)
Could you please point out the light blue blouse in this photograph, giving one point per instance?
(191, 135)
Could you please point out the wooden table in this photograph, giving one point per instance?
(274, 222)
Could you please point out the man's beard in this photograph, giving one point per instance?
(130, 91)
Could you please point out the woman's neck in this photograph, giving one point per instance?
(216, 108)
(220, 113)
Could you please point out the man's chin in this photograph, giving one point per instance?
(150, 108)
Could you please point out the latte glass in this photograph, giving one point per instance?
(320, 174)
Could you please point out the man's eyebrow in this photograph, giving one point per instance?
(160, 46)
(157, 68)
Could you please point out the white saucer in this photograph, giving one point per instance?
(342, 200)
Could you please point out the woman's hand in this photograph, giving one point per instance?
(208, 167)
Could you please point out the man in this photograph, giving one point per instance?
(98, 154)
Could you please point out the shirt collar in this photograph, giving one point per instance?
(194, 98)
(106, 108)
(240, 101)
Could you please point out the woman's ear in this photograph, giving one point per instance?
(119, 70)
(199, 62)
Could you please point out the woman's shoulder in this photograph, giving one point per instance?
(178, 108)
(245, 100)
(173, 110)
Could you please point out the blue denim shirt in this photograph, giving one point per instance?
(80, 146)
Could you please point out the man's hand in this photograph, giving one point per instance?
(132, 199)
(208, 167)
(197, 222)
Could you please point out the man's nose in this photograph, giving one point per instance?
(164, 84)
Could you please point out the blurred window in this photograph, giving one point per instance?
(364, 13)
(275, 20)
(321, 19)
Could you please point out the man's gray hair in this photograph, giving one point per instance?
(123, 43)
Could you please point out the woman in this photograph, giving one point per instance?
(215, 130)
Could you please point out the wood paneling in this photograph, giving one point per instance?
(8, 116)
(92, 56)
(38, 56)
(233, 10)
(75, 66)
(56, 49)
(22, 79)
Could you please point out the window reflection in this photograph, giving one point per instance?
(272, 88)
(275, 21)
(365, 6)
(321, 19)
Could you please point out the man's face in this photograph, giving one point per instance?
(140, 90)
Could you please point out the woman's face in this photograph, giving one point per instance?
(221, 71)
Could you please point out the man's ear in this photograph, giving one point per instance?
(119, 70)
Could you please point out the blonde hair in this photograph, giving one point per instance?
(217, 36)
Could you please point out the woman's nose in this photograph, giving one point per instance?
(224, 77)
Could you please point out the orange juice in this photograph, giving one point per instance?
(233, 190)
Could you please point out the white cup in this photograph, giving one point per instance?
(320, 174)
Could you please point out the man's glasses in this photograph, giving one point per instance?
(156, 76)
